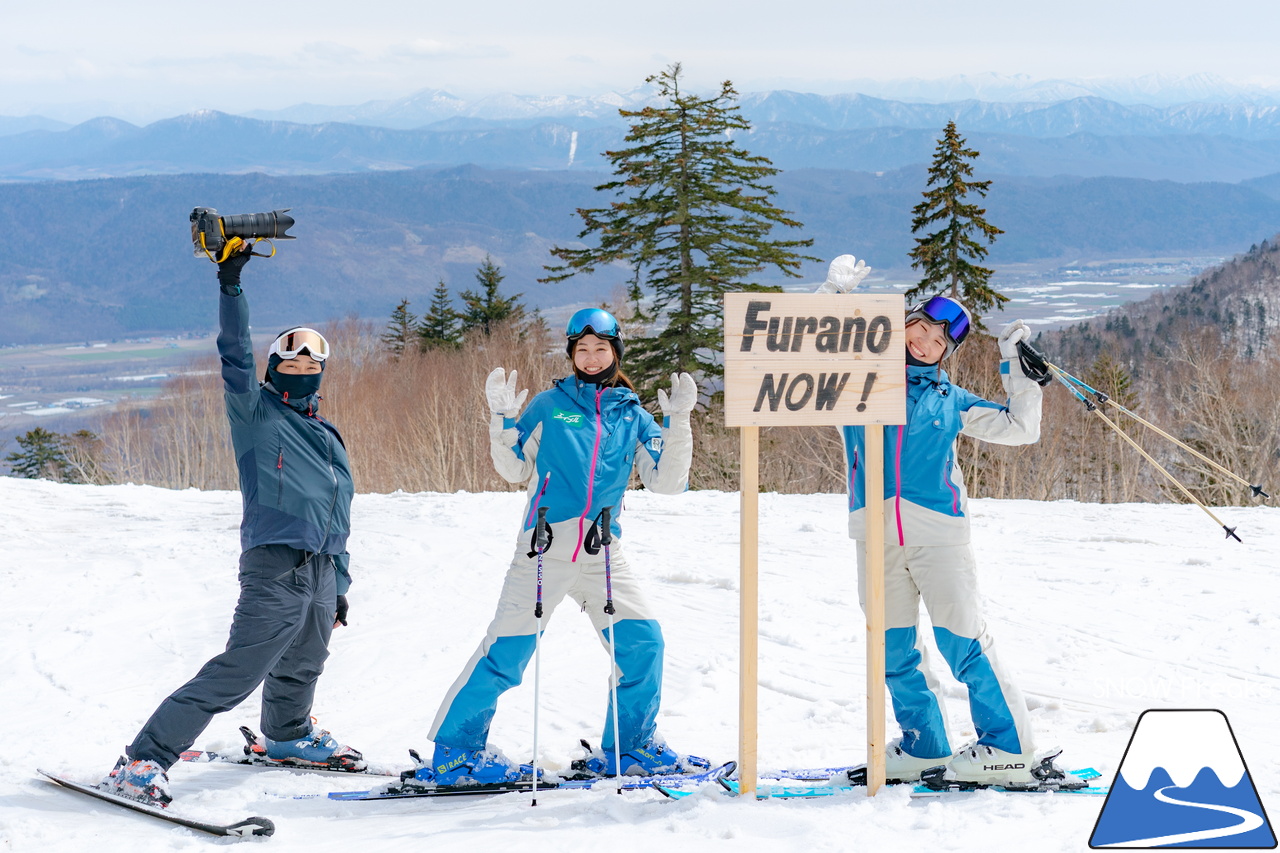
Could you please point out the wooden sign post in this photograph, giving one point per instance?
(812, 360)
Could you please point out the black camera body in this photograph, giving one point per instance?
(210, 233)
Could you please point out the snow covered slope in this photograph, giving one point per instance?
(113, 596)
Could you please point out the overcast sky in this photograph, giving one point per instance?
(145, 59)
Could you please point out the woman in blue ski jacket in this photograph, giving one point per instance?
(928, 555)
(575, 446)
(296, 485)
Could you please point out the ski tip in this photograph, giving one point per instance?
(259, 826)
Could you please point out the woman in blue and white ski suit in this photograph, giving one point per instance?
(575, 445)
(928, 555)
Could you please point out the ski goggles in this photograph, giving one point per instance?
(949, 314)
(593, 321)
(292, 343)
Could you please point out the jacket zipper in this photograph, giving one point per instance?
(897, 498)
(591, 476)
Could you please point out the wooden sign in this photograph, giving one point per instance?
(798, 359)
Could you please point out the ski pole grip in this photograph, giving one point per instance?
(606, 532)
(541, 540)
(1034, 365)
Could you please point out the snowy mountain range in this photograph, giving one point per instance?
(1064, 111)
(1085, 138)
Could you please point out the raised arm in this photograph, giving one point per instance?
(514, 456)
(234, 344)
(666, 453)
(1018, 421)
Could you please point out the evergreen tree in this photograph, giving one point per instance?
(439, 325)
(42, 456)
(947, 255)
(692, 220)
(401, 331)
(485, 308)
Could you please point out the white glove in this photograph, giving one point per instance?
(500, 391)
(684, 396)
(1009, 338)
(844, 275)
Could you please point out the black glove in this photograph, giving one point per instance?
(341, 617)
(229, 271)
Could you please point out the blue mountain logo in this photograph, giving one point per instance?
(1183, 783)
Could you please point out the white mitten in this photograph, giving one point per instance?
(684, 396)
(500, 391)
(844, 275)
(1010, 336)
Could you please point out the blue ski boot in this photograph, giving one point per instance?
(456, 766)
(317, 749)
(655, 758)
(141, 780)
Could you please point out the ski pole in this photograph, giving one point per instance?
(541, 541)
(1106, 398)
(1092, 407)
(606, 539)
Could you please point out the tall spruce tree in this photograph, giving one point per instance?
(439, 324)
(692, 220)
(401, 331)
(485, 308)
(947, 255)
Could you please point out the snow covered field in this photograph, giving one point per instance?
(114, 596)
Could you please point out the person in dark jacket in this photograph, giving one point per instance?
(296, 485)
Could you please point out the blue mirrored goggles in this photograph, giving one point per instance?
(595, 321)
(948, 312)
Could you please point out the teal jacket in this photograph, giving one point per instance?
(295, 479)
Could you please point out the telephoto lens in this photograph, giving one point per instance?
(271, 225)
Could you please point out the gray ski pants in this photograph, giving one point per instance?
(279, 639)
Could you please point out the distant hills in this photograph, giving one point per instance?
(392, 196)
(1238, 299)
(112, 258)
(1049, 117)
(1083, 136)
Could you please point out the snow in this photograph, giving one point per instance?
(116, 595)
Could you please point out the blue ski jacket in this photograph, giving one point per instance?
(926, 502)
(575, 445)
(295, 479)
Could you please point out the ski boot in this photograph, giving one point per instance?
(982, 766)
(901, 766)
(457, 767)
(317, 749)
(141, 780)
(654, 758)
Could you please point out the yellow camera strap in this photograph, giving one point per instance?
(234, 245)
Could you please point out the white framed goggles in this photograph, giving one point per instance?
(294, 342)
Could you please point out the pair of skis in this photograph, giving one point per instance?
(933, 783)
(261, 826)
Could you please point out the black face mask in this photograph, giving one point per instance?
(601, 378)
(295, 385)
(915, 362)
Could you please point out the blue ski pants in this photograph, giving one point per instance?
(945, 578)
(279, 639)
(498, 664)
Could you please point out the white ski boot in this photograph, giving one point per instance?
(900, 766)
